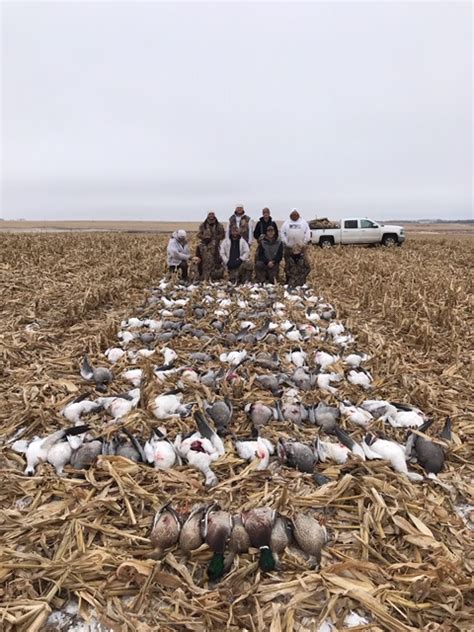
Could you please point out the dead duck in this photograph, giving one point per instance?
(217, 530)
(101, 376)
(259, 523)
(191, 536)
(310, 536)
(165, 530)
(282, 535)
(239, 538)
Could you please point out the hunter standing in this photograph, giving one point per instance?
(210, 235)
(243, 222)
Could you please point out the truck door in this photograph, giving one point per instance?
(370, 232)
(350, 232)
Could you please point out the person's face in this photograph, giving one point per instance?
(266, 213)
(239, 210)
(294, 216)
(234, 232)
(270, 233)
(211, 218)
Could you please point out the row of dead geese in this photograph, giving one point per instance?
(201, 448)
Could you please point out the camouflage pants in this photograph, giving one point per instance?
(296, 271)
(264, 274)
(242, 274)
(211, 268)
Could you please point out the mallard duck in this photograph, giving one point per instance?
(217, 530)
(165, 530)
(191, 536)
(281, 536)
(310, 536)
(101, 376)
(259, 524)
(239, 538)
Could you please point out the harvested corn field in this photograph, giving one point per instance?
(78, 546)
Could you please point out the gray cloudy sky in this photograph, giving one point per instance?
(148, 110)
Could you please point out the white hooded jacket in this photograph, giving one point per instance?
(295, 232)
(177, 252)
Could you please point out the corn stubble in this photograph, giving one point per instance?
(398, 552)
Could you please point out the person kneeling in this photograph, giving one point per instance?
(235, 253)
(178, 253)
(269, 255)
(297, 267)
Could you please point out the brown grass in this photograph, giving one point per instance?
(398, 550)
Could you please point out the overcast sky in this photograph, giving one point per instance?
(147, 110)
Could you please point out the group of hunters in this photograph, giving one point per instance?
(223, 251)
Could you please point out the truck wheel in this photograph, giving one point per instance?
(389, 241)
(326, 242)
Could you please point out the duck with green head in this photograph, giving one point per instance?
(259, 523)
(217, 530)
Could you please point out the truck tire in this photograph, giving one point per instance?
(326, 242)
(389, 240)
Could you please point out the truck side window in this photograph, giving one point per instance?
(366, 223)
(350, 223)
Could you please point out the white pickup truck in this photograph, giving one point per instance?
(358, 231)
